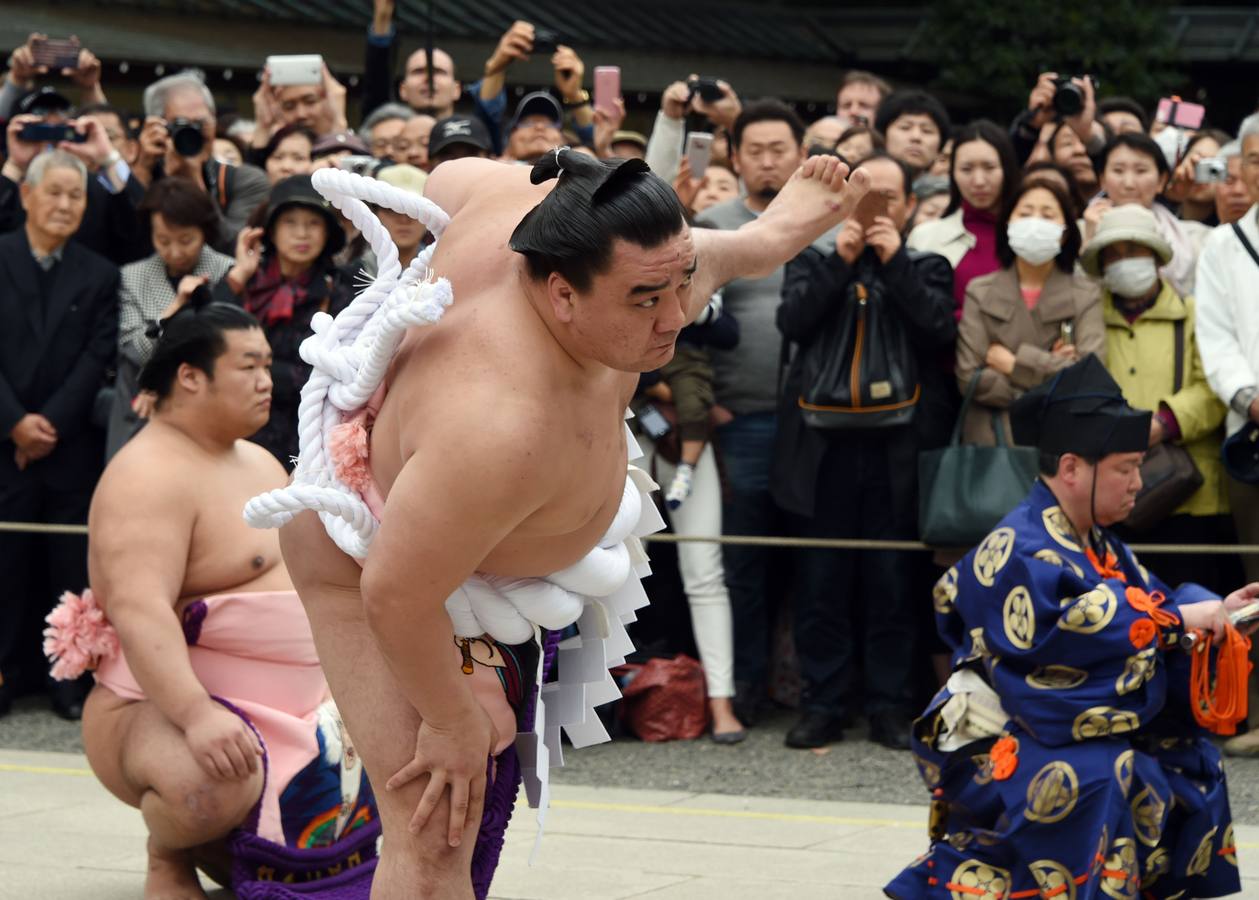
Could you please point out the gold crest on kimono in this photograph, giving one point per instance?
(980, 881)
(1052, 793)
(992, 555)
(1089, 613)
(1103, 721)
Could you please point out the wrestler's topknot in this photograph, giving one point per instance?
(595, 203)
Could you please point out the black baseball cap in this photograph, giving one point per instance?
(459, 130)
(539, 103)
(44, 101)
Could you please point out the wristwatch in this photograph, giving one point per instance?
(111, 160)
(583, 98)
(1242, 401)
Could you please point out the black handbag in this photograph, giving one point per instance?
(1169, 475)
(860, 371)
(965, 489)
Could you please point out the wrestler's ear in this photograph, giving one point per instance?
(562, 296)
(190, 378)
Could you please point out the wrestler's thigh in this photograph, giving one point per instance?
(382, 723)
(135, 749)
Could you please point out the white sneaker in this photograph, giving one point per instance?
(680, 488)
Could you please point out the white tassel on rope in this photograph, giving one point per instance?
(350, 355)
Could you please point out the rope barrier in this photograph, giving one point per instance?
(741, 540)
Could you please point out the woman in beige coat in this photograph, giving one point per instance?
(1030, 318)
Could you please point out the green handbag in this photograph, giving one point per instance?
(964, 490)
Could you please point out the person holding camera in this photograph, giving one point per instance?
(434, 90)
(177, 141)
(284, 274)
(183, 225)
(1062, 99)
(27, 63)
(1197, 177)
(58, 326)
(709, 97)
(108, 226)
(887, 313)
(319, 106)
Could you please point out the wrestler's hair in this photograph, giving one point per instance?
(193, 335)
(571, 232)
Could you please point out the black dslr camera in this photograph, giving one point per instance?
(1069, 97)
(186, 136)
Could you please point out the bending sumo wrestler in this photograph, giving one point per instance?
(496, 454)
(210, 712)
(1070, 754)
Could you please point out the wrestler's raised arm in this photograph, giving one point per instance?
(139, 533)
(463, 490)
(816, 198)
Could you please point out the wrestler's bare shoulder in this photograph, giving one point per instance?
(163, 486)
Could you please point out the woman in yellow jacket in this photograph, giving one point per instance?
(1144, 315)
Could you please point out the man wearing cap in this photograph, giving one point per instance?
(456, 137)
(1063, 753)
(407, 232)
(628, 145)
(1152, 353)
(535, 128)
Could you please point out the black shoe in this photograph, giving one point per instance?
(891, 729)
(746, 703)
(66, 699)
(815, 730)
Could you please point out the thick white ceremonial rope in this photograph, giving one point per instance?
(350, 355)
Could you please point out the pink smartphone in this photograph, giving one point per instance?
(1176, 112)
(607, 88)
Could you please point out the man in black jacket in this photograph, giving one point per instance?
(58, 328)
(860, 482)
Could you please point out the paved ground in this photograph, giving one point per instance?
(63, 838)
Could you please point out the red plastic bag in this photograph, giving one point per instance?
(667, 700)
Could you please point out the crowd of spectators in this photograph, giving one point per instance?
(987, 258)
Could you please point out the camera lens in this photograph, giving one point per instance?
(1068, 99)
(186, 137)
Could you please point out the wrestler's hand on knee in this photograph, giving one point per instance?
(452, 755)
(221, 743)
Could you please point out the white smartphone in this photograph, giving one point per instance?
(699, 150)
(607, 88)
(290, 70)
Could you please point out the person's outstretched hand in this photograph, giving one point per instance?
(453, 756)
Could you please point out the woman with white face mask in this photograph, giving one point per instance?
(1030, 318)
(1146, 318)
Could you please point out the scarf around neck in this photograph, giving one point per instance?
(271, 297)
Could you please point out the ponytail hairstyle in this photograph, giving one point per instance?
(193, 335)
(572, 231)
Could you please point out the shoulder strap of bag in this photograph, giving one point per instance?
(1178, 380)
(967, 399)
(1241, 236)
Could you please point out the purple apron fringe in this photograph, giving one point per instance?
(194, 617)
(500, 798)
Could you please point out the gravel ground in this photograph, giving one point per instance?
(853, 769)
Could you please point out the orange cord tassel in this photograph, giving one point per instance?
(1219, 706)
(1109, 568)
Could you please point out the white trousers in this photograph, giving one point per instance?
(703, 576)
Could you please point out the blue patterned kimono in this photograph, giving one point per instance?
(1117, 791)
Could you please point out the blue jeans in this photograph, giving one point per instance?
(747, 449)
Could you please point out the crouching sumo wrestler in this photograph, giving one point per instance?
(210, 711)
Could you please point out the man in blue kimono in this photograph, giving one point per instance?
(1063, 754)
